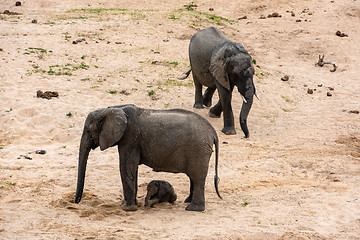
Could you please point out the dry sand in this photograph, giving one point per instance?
(296, 177)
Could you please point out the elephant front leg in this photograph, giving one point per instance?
(129, 160)
(228, 116)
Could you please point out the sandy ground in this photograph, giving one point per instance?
(296, 177)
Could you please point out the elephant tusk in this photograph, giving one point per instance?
(243, 98)
(257, 96)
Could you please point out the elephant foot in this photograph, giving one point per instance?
(207, 103)
(195, 207)
(198, 105)
(212, 115)
(188, 199)
(129, 208)
(229, 130)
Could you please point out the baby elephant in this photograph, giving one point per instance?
(159, 191)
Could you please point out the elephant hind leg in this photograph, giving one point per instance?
(198, 200)
(189, 198)
(209, 92)
(198, 94)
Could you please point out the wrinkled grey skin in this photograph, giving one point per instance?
(218, 63)
(176, 140)
(159, 191)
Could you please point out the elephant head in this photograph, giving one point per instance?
(231, 65)
(104, 128)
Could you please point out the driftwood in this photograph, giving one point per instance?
(321, 63)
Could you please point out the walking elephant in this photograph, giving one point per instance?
(218, 63)
(176, 140)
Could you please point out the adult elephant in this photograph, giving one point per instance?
(218, 63)
(176, 140)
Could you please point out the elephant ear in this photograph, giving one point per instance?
(113, 127)
(218, 67)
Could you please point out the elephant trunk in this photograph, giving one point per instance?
(83, 156)
(249, 96)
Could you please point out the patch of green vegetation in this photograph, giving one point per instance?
(286, 99)
(190, 6)
(59, 70)
(254, 61)
(151, 93)
(40, 52)
(174, 82)
(245, 203)
(97, 10)
(69, 114)
(112, 91)
(284, 109)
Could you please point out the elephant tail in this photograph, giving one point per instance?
(216, 178)
(184, 75)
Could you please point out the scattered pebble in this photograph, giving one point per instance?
(298, 20)
(42, 152)
(274, 15)
(241, 18)
(225, 142)
(354, 111)
(319, 85)
(7, 12)
(310, 91)
(18, 3)
(329, 94)
(331, 88)
(79, 40)
(34, 21)
(48, 94)
(25, 156)
(285, 78)
(341, 34)
(211, 9)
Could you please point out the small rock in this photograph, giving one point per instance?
(354, 111)
(48, 94)
(341, 34)
(285, 78)
(40, 152)
(225, 142)
(310, 91)
(34, 21)
(18, 3)
(211, 9)
(331, 88)
(329, 94)
(79, 40)
(320, 85)
(298, 20)
(241, 18)
(275, 14)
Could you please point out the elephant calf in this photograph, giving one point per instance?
(175, 140)
(218, 63)
(159, 191)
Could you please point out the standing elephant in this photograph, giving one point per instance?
(159, 191)
(176, 140)
(218, 63)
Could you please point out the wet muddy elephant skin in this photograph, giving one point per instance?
(218, 63)
(176, 140)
